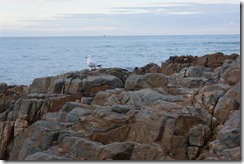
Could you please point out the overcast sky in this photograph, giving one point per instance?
(118, 17)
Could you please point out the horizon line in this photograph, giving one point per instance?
(114, 35)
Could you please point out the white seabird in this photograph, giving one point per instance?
(91, 63)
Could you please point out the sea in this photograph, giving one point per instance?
(23, 59)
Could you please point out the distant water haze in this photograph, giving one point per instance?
(26, 58)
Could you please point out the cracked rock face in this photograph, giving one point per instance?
(191, 111)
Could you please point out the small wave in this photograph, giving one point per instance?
(25, 56)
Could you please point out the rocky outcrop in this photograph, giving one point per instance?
(149, 68)
(176, 63)
(3, 88)
(114, 114)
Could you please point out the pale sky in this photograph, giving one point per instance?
(118, 17)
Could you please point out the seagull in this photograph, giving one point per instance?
(91, 63)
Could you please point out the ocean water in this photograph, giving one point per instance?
(24, 58)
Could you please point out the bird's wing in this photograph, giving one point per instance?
(92, 64)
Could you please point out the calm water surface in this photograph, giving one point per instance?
(24, 58)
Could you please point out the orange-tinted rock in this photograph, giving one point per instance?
(149, 68)
(147, 152)
(93, 84)
(120, 73)
(116, 135)
(232, 74)
(193, 114)
(6, 134)
(144, 132)
(148, 80)
(40, 85)
(56, 103)
(178, 147)
(116, 151)
(192, 152)
(38, 137)
(223, 108)
(197, 135)
(175, 63)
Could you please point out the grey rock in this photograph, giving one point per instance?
(121, 108)
(145, 131)
(2, 104)
(58, 86)
(19, 126)
(194, 71)
(232, 154)
(192, 152)
(147, 152)
(149, 68)
(50, 116)
(231, 75)
(230, 137)
(209, 95)
(230, 133)
(81, 148)
(192, 82)
(135, 97)
(44, 156)
(234, 120)
(75, 114)
(56, 102)
(197, 135)
(3, 116)
(235, 93)
(93, 84)
(183, 124)
(86, 100)
(148, 80)
(116, 151)
(3, 87)
(102, 112)
(108, 97)
(145, 113)
(26, 109)
(73, 86)
(40, 85)
(69, 106)
(223, 108)
(27, 148)
(37, 137)
(37, 96)
(150, 98)
(178, 147)
(65, 110)
(115, 116)
(113, 99)
(6, 134)
(67, 134)
(120, 73)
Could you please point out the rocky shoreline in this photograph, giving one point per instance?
(187, 109)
